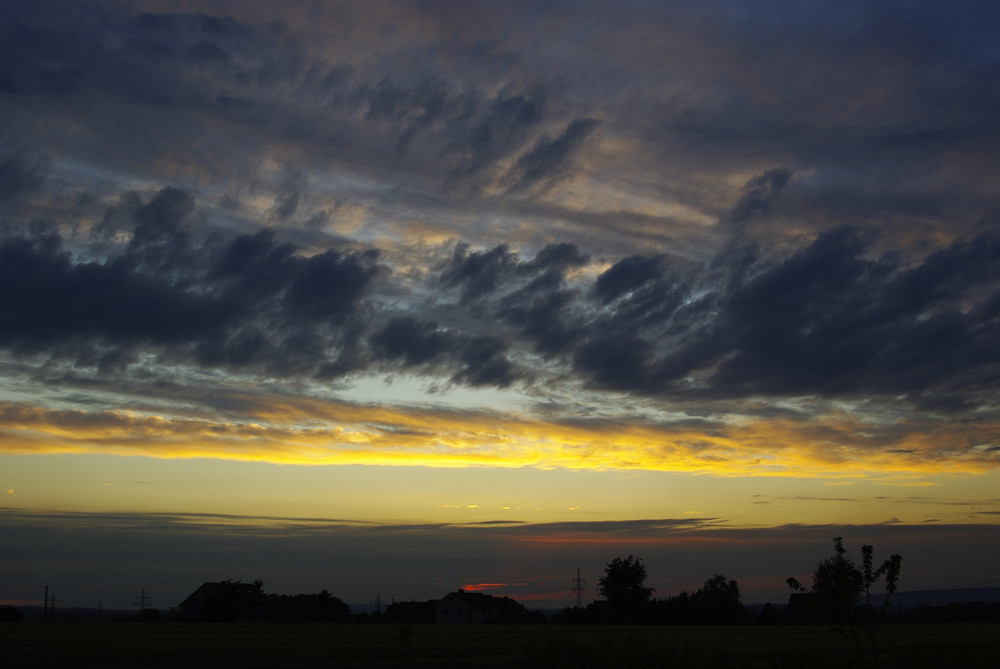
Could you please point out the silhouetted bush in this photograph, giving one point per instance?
(406, 613)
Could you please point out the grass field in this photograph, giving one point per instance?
(256, 645)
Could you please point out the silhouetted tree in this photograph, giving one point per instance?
(839, 586)
(674, 610)
(321, 607)
(624, 586)
(717, 602)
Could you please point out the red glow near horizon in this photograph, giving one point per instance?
(484, 586)
(618, 540)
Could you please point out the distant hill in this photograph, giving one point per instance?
(73, 614)
(915, 598)
(907, 601)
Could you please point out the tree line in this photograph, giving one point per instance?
(627, 599)
(841, 595)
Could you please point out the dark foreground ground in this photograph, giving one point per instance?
(275, 645)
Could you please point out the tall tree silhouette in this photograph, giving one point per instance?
(624, 586)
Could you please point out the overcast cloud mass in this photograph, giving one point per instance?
(740, 240)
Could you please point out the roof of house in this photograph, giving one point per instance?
(469, 597)
(244, 590)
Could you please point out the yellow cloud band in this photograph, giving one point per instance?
(313, 432)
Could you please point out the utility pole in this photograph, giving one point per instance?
(579, 588)
(378, 602)
(45, 606)
(52, 608)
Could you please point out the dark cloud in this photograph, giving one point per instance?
(550, 159)
(287, 202)
(830, 319)
(833, 318)
(482, 273)
(500, 130)
(644, 291)
(329, 285)
(206, 53)
(560, 256)
(21, 171)
(253, 268)
(159, 241)
(411, 111)
(414, 341)
(242, 348)
(543, 317)
(138, 60)
(542, 309)
(626, 275)
(242, 302)
(467, 131)
(478, 272)
(616, 361)
(51, 299)
(476, 360)
(38, 60)
(758, 193)
(780, 298)
(484, 363)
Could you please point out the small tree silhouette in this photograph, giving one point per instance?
(717, 602)
(839, 586)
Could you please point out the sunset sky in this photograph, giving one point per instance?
(400, 297)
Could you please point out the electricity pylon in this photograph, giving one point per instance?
(579, 589)
(142, 601)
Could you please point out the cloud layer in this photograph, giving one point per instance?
(744, 236)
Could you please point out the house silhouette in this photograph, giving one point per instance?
(224, 601)
(467, 607)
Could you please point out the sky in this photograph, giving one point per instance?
(393, 298)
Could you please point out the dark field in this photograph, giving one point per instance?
(263, 645)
